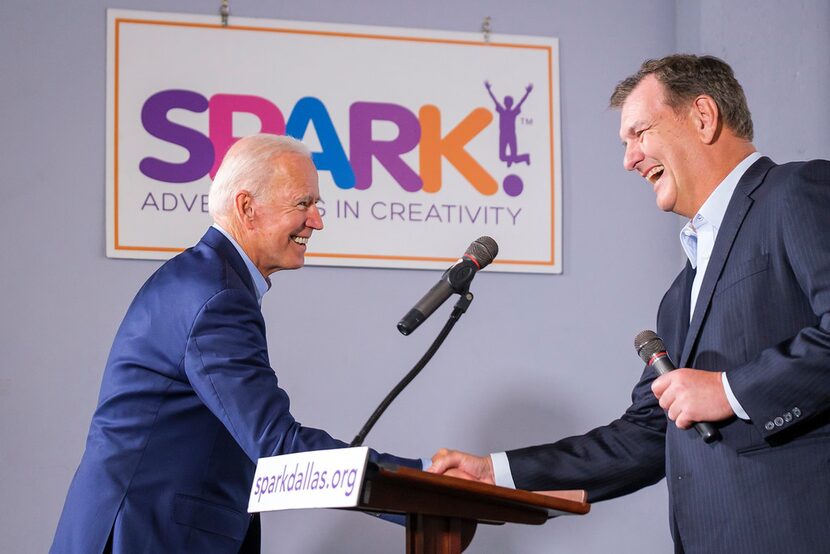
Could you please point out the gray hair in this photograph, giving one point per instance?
(249, 165)
(686, 76)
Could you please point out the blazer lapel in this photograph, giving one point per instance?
(739, 206)
(673, 318)
(685, 310)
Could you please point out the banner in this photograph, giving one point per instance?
(424, 140)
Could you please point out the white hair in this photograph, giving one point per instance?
(249, 165)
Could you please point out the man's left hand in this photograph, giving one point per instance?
(691, 395)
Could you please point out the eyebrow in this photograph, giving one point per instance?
(307, 198)
(632, 129)
(634, 126)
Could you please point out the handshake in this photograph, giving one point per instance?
(455, 463)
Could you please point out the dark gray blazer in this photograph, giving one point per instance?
(763, 316)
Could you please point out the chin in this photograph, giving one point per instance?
(667, 204)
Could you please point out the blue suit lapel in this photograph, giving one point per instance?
(218, 242)
(675, 342)
(738, 207)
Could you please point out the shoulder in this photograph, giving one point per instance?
(790, 175)
(794, 205)
(195, 276)
(794, 184)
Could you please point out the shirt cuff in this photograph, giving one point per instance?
(425, 463)
(733, 402)
(501, 470)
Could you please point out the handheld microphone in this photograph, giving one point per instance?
(456, 279)
(652, 351)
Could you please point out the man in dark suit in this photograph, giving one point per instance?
(747, 320)
(189, 401)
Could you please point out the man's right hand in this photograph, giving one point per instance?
(461, 464)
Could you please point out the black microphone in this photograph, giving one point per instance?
(456, 279)
(652, 351)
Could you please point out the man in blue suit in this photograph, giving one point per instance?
(189, 401)
(747, 320)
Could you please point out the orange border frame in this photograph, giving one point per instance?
(119, 21)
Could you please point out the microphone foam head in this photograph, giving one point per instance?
(647, 344)
(483, 250)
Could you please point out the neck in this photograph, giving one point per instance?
(721, 158)
(243, 239)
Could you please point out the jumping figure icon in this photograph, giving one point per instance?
(507, 126)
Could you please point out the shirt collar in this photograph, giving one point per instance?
(714, 208)
(261, 284)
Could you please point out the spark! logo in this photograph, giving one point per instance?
(424, 131)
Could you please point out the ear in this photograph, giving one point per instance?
(706, 117)
(243, 209)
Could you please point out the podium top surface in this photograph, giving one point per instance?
(406, 490)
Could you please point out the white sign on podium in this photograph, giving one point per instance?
(316, 479)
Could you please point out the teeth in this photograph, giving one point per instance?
(300, 240)
(654, 171)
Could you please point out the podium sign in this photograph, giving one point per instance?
(317, 479)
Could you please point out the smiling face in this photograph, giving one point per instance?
(663, 146)
(283, 219)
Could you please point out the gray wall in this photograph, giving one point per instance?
(513, 373)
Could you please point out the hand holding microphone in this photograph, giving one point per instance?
(688, 392)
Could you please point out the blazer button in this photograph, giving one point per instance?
(788, 417)
(779, 421)
(796, 412)
(769, 426)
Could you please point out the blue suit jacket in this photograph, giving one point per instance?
(188, 403)
(763, 316)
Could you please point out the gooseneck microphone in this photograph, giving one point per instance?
(456, 279)
(652, 351)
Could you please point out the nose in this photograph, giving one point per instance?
(633, 155)
(314, 219)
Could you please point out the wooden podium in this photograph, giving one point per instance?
(442, 512)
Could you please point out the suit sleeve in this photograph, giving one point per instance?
(227, 364)
(609, 461)
(788, 385)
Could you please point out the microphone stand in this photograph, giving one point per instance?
(459, 308)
